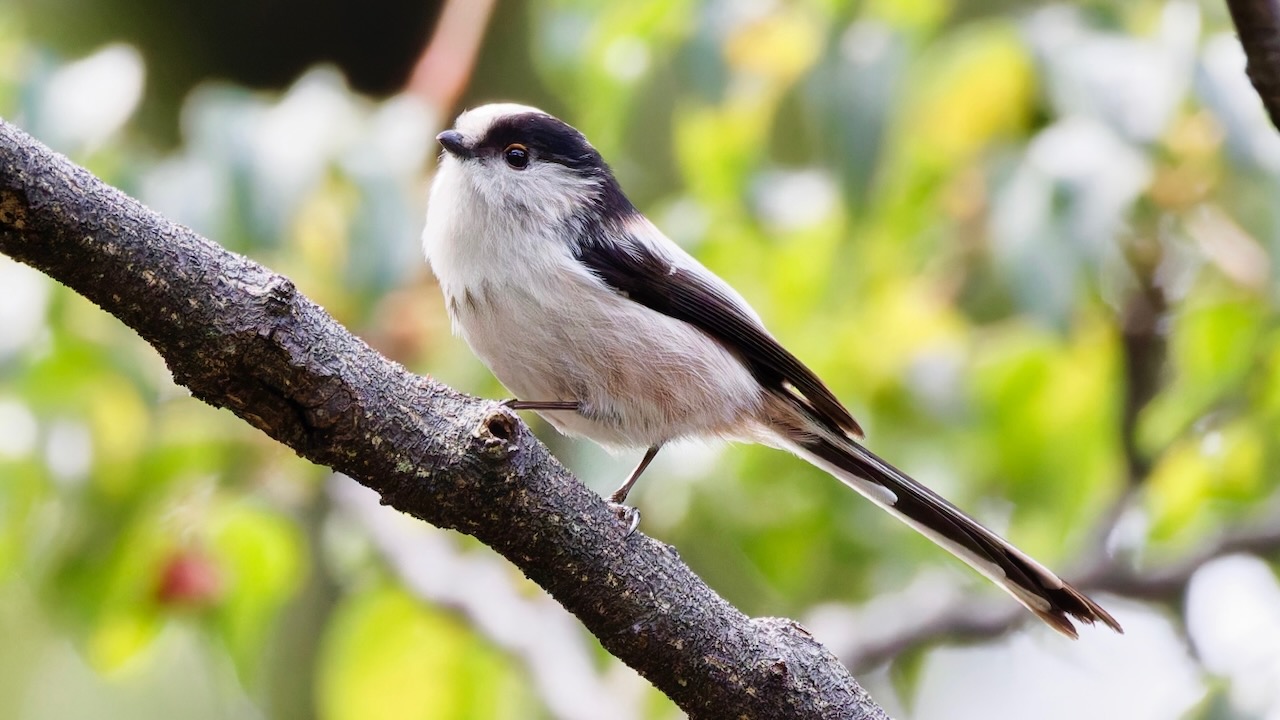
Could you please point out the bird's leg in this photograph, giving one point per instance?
(515, 404)
(626, 513)
(620, 494)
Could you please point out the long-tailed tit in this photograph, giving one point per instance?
(610, 331)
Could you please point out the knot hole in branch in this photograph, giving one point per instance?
(501, 426)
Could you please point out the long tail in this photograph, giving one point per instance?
(1029, 582)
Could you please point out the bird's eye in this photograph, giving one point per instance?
(517, 156)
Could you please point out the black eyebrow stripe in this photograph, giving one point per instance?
(549, 138)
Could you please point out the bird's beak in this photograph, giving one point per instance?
(451, 141)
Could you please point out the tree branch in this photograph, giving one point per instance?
(243, 338)
(1258, 24)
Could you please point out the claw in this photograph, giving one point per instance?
(626, 514)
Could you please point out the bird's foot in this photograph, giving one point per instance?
(627, 514)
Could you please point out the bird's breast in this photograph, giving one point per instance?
(641, 377)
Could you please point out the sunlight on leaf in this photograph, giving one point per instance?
(919, 15)
(120, 638)
(1212, 347)
(980, 88)
(777, 48)
(388, 656)
(1196, 480)
(119, 422)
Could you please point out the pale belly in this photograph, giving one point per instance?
(641, 378)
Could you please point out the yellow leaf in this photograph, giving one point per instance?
(780, 47)
(389, 656)
(982, 89)
(120, 638)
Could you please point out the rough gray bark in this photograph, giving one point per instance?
(241, 337)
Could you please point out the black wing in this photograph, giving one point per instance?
(653, 281)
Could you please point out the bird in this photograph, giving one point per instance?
(593, 318)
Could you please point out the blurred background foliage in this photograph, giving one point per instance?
(1030, 244)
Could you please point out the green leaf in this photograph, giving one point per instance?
(259, 554)
(1213, 347)
(388, 656)
(905, 672)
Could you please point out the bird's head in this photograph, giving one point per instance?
(519, 159)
